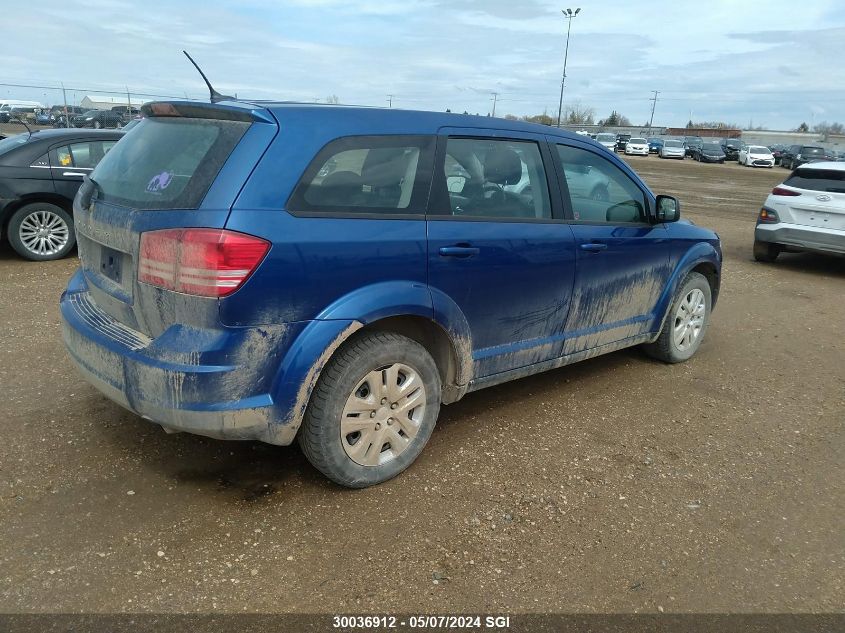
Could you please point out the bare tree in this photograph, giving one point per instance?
(578, 114)
(332, 99)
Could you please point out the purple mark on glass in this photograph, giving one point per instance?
(159, 182)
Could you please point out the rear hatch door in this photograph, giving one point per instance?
(181, 167)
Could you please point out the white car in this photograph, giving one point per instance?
(607, 140)
(756, 156)
(805, 213)
(636, 146)
(672, 148)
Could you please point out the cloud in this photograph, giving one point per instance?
(724, 61)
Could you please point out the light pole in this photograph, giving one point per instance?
(568, 14)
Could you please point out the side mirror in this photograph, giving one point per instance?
(668, 209)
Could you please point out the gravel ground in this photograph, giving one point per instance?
(618, 484)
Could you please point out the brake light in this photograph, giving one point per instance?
(203, 262)
(163, 109)
(767, 217)
(780, 191)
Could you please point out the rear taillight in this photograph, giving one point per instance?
(204, 262)
(767, 217)
(781, 191)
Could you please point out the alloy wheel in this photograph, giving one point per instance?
(44, 233)
(689, 319)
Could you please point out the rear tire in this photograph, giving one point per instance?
(766, 251)
(351, 425)
(686, 323)
(41, 232)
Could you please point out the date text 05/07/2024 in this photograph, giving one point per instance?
(421, 622)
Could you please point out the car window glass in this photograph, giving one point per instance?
(363, 175)
(496, 179)
(41, 161)
(366, 177)
(82, 155)
(62, 156)
(167, 162)
(831, 180)
(600, 191)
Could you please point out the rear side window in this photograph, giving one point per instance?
(382, 175)
(831, 180)
(167, 163)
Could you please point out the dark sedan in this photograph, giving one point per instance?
(99, 119)
(709, 153)
(39, 176)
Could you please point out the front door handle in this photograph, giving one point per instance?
(458, 251)
(593, 247)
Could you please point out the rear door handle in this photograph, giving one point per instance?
(458, 251)
(593, 247)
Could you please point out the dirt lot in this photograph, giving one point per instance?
(618, 484)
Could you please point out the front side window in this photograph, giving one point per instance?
(496, 179)
(368, 174)
(599, 191)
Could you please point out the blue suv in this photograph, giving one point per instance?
(333, 275)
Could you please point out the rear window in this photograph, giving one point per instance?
(8, 144)
(673, 144)
(812, 151)
(831, 180)
(167, 163)
(605, 137)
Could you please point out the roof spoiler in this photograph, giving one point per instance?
(198, 110)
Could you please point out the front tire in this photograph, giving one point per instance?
(686, 324)
(372, 411)
(766, 251)
(41, 232)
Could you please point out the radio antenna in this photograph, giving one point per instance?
(213, 94)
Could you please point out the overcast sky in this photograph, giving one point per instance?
(774, 62)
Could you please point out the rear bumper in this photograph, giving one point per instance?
(805, 238)
(169, 381)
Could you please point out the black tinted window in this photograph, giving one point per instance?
(812, 151)
(818, 180)
(167, 163)
(367, 174)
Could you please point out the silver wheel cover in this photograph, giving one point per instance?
(383, 415)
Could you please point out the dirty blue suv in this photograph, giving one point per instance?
(333, 275)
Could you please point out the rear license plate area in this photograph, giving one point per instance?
(110, 263)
